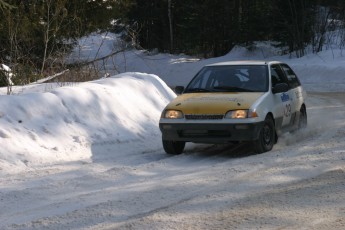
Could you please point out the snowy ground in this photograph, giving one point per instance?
(298, 185)
(89, 156)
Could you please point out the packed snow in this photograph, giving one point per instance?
(89, 155)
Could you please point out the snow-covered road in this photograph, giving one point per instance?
(298, 185)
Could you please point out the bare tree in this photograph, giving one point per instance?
(170, 26)
(320, 27)
(55, 13)
(5, 5)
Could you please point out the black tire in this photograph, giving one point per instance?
(173, 147)
(267, 137)
(303, 119)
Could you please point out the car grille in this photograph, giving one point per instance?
(204, 116)
(205, 133)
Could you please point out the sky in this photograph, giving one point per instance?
(72, 156)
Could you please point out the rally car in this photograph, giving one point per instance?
(237, 101)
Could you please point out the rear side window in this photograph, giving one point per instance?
(291, 76)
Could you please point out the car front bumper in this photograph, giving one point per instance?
(210, 132)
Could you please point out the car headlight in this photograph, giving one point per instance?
(240, 114)
(172, 114)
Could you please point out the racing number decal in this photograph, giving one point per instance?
(287, 111)
(285, 98)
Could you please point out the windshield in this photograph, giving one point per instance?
(230, 78)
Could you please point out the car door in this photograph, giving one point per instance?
(296, 89)
(284, 102)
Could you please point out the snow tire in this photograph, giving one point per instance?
(267, 137)
(173, 147)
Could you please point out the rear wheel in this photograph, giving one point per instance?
(173, 147)
(303, 119)
(266, 137)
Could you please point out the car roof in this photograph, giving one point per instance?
(246, 62)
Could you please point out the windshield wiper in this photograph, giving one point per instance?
(233, 89)
(198, 90)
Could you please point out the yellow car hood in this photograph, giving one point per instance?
(213, 103)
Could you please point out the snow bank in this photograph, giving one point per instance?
(61, 125)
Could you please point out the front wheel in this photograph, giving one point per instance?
(266, 137)
(173, 147)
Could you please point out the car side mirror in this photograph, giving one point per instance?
(179, 89)
(280, 88)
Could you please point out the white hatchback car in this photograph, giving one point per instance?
(239, 101)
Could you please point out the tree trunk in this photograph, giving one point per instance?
(170, 26)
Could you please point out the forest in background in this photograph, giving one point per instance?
(36, 35)
(213, 27)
